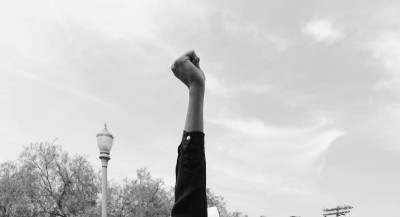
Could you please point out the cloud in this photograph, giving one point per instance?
(57, 86)
(322, 31)
(257, 34)
(244, 31)
(291, 156)
(261, 129)
(216, 86)
(386, 50)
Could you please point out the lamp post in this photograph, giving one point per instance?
(104, 141)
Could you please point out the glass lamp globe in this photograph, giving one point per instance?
(105, 141)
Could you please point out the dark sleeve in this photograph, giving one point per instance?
(190, 188)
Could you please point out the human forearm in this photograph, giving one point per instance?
(194, 116)
(187, 69)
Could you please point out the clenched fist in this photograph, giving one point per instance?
(187, 69)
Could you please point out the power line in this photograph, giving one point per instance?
(338, 211)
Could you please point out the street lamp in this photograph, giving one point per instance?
(104, 141)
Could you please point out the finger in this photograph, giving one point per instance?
(173, 67)
(191, 56)
(176, 70)
(197, 62)
(184, 57)
(194, 58)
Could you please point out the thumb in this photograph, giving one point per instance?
(194, 58)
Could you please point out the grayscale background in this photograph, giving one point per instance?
(302, 105)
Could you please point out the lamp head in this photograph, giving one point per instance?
(105, 141)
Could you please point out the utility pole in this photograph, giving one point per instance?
(338, 211)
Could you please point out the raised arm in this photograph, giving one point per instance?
(187, 69)
(190, 187)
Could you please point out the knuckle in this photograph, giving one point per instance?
(176, 64)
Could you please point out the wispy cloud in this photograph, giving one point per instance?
(217, 86)
(289, 154)
(259, 128)
(386, 49)
(239, 29)
(255, 33)
(322, 30)
(67, 89)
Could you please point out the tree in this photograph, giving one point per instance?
(144, 196)
(217, 201)
(46, 181)
(13, 200)
(237, 214)
(58, 184)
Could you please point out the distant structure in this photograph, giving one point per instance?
(338, 211)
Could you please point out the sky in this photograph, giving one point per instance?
(302, 105)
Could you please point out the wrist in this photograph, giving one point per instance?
(197, 89)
